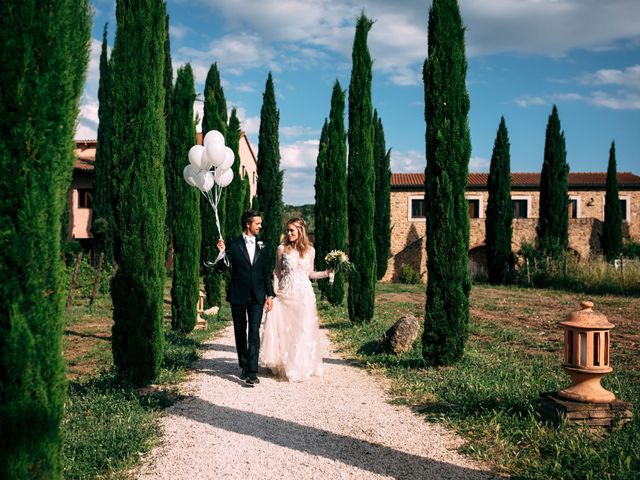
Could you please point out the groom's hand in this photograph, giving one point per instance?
(220, 245)
(268, 304)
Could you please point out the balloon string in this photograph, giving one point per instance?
(213, 201)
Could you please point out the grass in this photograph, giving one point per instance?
(491, 397)
(109, 424)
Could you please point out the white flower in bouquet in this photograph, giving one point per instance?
(338, 261)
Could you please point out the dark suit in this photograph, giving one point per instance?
(250, 285)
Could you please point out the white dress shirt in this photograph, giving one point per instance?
(250, 243)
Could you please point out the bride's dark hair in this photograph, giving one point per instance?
(302, 244)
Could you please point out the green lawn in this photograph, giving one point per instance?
(491, 397)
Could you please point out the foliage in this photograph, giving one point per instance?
(215, 118)
(491, 396)
(269, 195)
(235, 191)
(185, 218)
(408, 275)
(336, 202)
(499, 210)
(168, 94)
(138, 150)
(382, 217)
(448, 151)
(321, 211)
(361, 180)
(304, 211)
(108, 422)
(567, 272)
(631, 249)
(553, 224)
(612, 228)
(102, 222)
(246, 193)
(44, 57)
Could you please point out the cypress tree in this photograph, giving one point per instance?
(168, 101)
(336, 200)
(214, 118)
(235, 190)
(269, 194)
(448, 152)
(246, 192)
(186, 207)
(138, 152)
(361, 180)
(102, 223)
(499, 209)
(382, 219)
(553, 224)
(612, 228)
(44, 57)
(320, 212)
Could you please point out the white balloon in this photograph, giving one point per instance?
(204, 181)
(213, 136)
(195, 156)
(189, 173)
(224, 177)
(206, 160)
(228, 159)
(216, 153)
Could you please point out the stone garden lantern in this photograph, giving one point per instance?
(586, 355)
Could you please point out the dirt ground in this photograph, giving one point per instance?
(539, 312)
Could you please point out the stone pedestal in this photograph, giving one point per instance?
(201, 323)
(597, 415)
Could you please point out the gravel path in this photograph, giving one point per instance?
(334, 427)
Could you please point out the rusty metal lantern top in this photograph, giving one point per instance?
(587, 319)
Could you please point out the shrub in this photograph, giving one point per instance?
(631, 249)
(408, 275)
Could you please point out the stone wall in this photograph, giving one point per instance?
(408, 236)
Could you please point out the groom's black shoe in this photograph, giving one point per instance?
(253, 379)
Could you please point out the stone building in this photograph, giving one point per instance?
(80, 212)
(586, 214)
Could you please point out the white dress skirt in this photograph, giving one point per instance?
(291, 345)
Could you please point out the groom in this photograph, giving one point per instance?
(250, 290)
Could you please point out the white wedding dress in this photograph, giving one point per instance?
(291, 345)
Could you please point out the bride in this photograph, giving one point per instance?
(291, 340)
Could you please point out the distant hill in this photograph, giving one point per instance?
(304, 211)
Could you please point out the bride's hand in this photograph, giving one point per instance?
(220, 245)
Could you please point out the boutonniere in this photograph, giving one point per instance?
(260, 244)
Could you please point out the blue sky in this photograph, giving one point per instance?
(523, 56)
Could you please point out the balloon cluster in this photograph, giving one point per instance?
(209, 169)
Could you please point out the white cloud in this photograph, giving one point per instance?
(87, 127)
(178, 31)
(298, 131)
(623, 100)
(301, 154)
(479, 164)
(629, 77)
(409, 162)
(527, 101)
(301, 30)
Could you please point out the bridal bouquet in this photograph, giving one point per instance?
(338, 261)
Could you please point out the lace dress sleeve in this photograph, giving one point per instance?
(311, 255)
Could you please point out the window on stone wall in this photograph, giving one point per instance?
(519, 208)
(84, 198)
(417, 208)
(573, 208)
(474, 207)
(623, 209)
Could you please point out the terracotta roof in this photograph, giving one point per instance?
(86, 151)
(525, 179)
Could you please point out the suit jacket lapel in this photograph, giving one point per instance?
(243, 249)
(256, 253)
